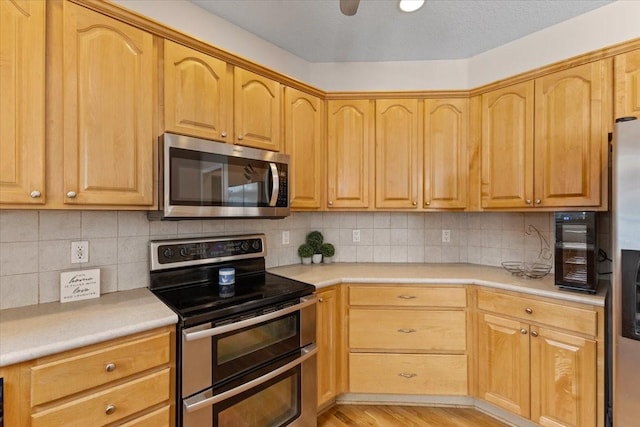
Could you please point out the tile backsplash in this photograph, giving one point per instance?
(35, 246)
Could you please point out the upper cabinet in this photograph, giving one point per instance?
(349, 153)
(108, 109)
(397, 156)
(22, 79)
(198, 93)
(257, 110)
(627, 84)
(544, 143)
(304, 143)
(446, 124)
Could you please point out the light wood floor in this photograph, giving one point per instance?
(397, 416)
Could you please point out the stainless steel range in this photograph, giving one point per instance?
(246, 338)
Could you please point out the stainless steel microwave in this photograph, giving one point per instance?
(199, 178)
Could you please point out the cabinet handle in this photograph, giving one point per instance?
(538, 201)
(110, 367)
(71, 194)
(110, 409)
(223, 134)
(35, 194)
(406, 331)
(240, 137)
(407, 375)
(528, 310)
(407, 296)
(528, 201)
(523, 331)
(534, 334)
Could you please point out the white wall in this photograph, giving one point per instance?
(602, 27)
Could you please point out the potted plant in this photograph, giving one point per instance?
(315, 240)
(305, 251)
(328, 251)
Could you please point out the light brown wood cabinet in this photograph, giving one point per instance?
(257, 110)
(538, 359)
(304, 143)
(128, 381)
(627, 84)
(408, 339)
(22, 80)
(108, 109)
(397, 157)
(328, 342)
(350, 154)
(446, 168)
(198, 93)
(544, 142)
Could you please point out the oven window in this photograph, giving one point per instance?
(257, 338)
(275, 403)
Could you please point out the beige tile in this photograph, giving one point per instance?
(99, 224)
(18, 258)
(163, 229)
(415, 254)
(381, 254)
(450, 254)
(108, 279)
(381, 237)
(60, 225)
(398, 220)
(398, 254)
(399, 236)
(18, 290)
(103, 252)
(364, 219)
(381, 220)
(132, 224)
(133, 275)
(133, 249)
(49, 285)
(432, 254)
(433, 221)
(55, 255)
(18, 226)
(189, 228)
(363, 254)
(347, 253)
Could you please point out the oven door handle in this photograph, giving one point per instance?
(192, 336)
(204, 399)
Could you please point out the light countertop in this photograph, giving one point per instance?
(39, 330)
(322, 275)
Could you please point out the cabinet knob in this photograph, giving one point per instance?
(407, 375)
(538, 201)
(35, 194)
(534, 334)
(523, 331)
(240, 137)
(427, 203)
(528, 201)
(320, 299)
(330, 202)
(110, 367)
(414, 203)
(406, 331)
(71, 194)
(528, 310)
(110, 409)
(223, 134)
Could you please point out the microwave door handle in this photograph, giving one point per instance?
(275, 178)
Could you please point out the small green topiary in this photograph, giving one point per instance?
(327, 250)
(315, 240)
(305, 251)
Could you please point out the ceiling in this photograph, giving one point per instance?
(316, 30)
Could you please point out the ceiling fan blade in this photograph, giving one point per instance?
(349, 7)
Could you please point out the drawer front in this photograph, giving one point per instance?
(91, 410)
(66, 376)
(558, 315)
(408, 296)
(158, 418)
(409, 330)
(408, 374)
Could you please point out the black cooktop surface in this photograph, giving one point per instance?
(206, 301)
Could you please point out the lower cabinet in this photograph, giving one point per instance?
(408, 340)
(128, 381)
(534, 364)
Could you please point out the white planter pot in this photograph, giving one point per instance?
(327, 260)
(317, 258)
(306, 260)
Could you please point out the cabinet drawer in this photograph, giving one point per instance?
(91, 410)
(82, 371)
(158, 418)
(410, 330)
(558, 315)
(408, 374)
(408, 296)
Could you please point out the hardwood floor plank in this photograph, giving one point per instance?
(405, 416)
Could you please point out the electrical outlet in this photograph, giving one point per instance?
(446, 236)
(79, 252)
(285, 237)
(356, 236)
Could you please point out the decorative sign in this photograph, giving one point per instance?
(79, 285)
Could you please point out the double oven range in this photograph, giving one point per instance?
(245, 349)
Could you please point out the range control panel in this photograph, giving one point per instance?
(185, 252)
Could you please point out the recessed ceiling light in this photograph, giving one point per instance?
(410, 5)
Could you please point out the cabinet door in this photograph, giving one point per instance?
(22, 43)
(349, 154)
(303, 139)
(108, 110)
(327, 341)
(503, 360)
(563, 379)
(257, 104)
(507, 147)
(446, 167)
(198, 93)
(627, 84)
(397, 173)
(570, 137)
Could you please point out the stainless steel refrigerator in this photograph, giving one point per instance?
(625, 215)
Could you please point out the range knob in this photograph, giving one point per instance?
(244, 245)
(184, 252)
(256, 244)
(168, 253)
